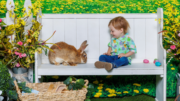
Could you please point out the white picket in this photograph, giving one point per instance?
(28, 20)
(9, 20)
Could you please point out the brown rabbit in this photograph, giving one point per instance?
(67, 54)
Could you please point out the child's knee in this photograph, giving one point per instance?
(101, 56)
(124, 58)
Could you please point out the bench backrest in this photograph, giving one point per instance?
(75, 28)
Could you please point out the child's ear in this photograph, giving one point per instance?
(122, 29)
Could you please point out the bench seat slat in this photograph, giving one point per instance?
(89, 69)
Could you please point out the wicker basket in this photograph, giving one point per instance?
(72, 95)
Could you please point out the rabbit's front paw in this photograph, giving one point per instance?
(56, 63)
(65, 63)
(72, 64)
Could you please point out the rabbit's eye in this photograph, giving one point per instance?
(84, 55)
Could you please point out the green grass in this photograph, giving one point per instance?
(131, 98)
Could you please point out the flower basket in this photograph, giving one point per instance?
(43, 95)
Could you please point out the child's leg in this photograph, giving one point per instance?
(106, 58)
(120, 62)
(105, 61)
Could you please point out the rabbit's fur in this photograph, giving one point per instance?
(67, 54)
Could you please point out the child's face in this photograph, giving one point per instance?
(116, 33)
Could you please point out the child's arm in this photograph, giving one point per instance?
(126, 55)
(108, 52)
(129, 54)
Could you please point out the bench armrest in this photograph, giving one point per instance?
(161, 51)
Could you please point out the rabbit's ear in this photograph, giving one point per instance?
(83, 46)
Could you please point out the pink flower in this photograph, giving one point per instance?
(25, 44)
(169, 50)
(20, 43)
(175, 54)
(23, 55)
(0, 20)
(172, 47)
(17, 65)
(0, 28)
(179, 34)
(20, 56)
(17, 53)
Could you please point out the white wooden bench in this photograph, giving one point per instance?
(75, 28)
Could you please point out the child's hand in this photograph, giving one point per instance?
(107, 54)
(121, 55)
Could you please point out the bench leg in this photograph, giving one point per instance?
(38, 79)
(160, 88)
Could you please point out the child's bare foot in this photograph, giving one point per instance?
(106, 65)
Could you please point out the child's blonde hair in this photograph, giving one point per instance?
(120, 22)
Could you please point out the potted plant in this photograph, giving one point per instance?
(20, 53)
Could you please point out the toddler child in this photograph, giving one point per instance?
(120, 48)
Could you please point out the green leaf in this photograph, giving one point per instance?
(70, 87)
(12, 94)
(22, 85)
(26, 89)
(80, 82)
(178, 52)
(46, 52)
(2, 23)
(11, 84)
(73, 78)
(78, 86)
(68, 81)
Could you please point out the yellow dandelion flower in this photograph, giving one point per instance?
(101, 84)
(107, 89)
(99, 94)
(136, 91)
(55, 77)
(100, 91)
(114, 94)
(146, 90)
(119, 93)
(136, 84)
(110, 95)
(100, 88)
(96, 95)
(125, 92)
(95, 82)
(112, 91)
(172, 68)
(109, 76)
